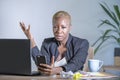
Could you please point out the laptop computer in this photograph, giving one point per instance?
(15, 57)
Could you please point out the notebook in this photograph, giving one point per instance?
(15, 57)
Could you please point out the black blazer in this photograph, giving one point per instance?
(76, 54)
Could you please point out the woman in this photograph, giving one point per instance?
(62, 45)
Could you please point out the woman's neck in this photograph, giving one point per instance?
(64, 41)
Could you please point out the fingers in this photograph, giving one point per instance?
(27, 32)
(52, 61)
(22, 26)
(45, 69)
(45, 72)
(45, 66)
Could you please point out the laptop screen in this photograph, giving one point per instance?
(15, 57)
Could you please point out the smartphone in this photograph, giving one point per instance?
(41, 59)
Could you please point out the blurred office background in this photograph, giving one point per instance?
(86, 16)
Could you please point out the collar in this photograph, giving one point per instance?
(69, 40)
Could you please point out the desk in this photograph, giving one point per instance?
(112, 69)
(16, 77)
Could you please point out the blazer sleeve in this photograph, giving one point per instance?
(34, 52)
(44, 51)
(81, 51)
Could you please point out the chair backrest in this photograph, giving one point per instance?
(90, 56)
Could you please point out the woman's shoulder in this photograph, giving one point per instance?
(79, 40)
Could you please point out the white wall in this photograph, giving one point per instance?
(86, 15)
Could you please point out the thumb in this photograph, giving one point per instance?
(52, 61)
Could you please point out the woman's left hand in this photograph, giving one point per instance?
(49, 69)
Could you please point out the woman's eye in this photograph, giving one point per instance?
(63, 27)
(55, 27)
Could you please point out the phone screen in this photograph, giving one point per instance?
(41, 59)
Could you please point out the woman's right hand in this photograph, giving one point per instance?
(26, 30)
(28, 33)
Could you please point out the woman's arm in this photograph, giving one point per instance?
(28, 33)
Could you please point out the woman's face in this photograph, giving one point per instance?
(61, 29)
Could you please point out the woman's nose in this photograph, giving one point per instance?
(59, 30)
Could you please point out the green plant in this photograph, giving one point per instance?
(111, 25)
